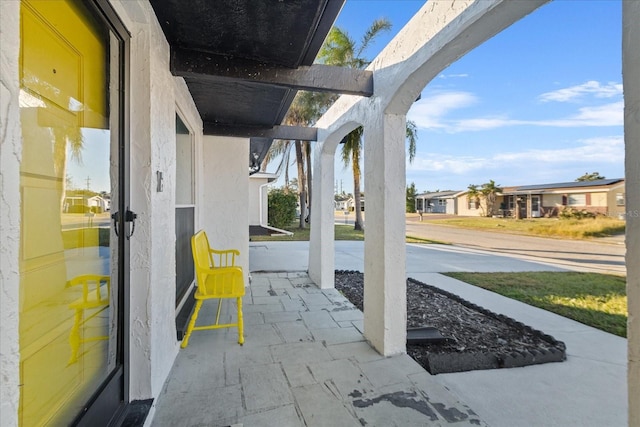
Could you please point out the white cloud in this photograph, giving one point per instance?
(428, 112)
(598, 150)
(591, 87)
(481, 123)
(453, 76)
(602, 115)
(435, 162)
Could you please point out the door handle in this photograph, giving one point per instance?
(129, 216)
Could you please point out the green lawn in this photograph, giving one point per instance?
(549, 227)
(598, 300)
(342, 232)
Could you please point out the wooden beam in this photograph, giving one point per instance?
(315, 78)
(277, 132)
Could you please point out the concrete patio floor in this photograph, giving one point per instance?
(306, 363)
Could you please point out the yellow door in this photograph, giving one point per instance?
(66, 314)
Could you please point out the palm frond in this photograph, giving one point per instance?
(412, 138)
(377, 27)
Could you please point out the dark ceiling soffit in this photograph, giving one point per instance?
(317, 78)
(329, 15)
(298, 133)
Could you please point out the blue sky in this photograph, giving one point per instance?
(540, 102)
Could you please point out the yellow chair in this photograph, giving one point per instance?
(96, 293)
(217, 277)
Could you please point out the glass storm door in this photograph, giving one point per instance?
(535, 206)
(71, 341)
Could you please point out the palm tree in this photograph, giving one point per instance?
(339, 49)
(351, 155)
(473, 195)
(279, 147)
(304, 110)
(490, 192)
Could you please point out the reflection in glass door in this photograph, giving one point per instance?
(69, 342)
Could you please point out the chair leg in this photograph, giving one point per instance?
(74, 337)
(240, 322)
(218, 312)
(192, 324)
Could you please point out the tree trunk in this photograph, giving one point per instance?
(302, 184)
(307, 149)
(355, 160)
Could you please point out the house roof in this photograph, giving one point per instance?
(437, 194)
(573, 184)
(270, 177)
(244, 61)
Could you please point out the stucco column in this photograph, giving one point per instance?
(321, 241)
(385, 289)
(631, 77)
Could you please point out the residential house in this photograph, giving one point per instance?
(186, 100)
(600, 197)
(466, 206)
(437, 202)
(342, 202)
(258, 198)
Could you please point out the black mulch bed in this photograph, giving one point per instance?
(476, 338)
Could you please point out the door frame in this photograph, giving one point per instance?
(110, 400)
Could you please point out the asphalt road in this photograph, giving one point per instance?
(598, 255)
(605, 255)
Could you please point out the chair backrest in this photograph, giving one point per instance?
(96, 289)
(201, 254)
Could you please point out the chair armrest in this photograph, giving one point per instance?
(224, 251)
(224, 257)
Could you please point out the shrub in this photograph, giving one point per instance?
(282, 208)
(571, 213)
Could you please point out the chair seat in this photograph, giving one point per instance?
(218, 285)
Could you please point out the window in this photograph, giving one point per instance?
(619, 199)
(184, 164)
(442, 202)
(577, 200)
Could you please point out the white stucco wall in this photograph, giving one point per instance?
(258, 202)
(155, 96)
(224, 199)
(631, 77)
(10, 155)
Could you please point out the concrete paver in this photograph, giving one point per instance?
(264, 387)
